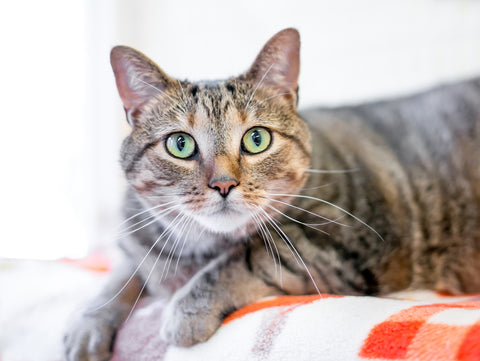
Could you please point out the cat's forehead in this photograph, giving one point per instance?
(215, 106)
(218, 96)
(215, 116)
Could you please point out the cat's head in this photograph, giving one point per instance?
(215, 152)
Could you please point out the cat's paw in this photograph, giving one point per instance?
(185, 325)
(89, 339)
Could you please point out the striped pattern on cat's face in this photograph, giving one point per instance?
(221, 183)
(216, 117)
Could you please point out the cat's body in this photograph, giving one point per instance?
(417, 183)
(371, 199)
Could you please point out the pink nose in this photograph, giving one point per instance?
(223, 186)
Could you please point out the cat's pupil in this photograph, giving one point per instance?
(180, 143)
(256, 138)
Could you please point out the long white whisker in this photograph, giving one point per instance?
(289, 243)
(328, 221)
(154, 218)
(317, 187)
(185, 220)
(258, 84)
(276, 249)
(144, 211)
(160, 91)
(332, 171)
(333, 205)
(204, 229)
(136, 269)
(171, 229)
(296, 221)
(276, 227)
(143, 287)
(266, 241)
(184, 243)
(273, 96)
(257, 106)
(184, 216)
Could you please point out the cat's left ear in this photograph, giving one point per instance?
(278, 63)
(138, 79)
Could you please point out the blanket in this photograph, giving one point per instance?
(324, 327)
(38, 298)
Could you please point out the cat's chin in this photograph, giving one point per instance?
(228, 223)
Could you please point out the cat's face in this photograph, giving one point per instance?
(215, 153)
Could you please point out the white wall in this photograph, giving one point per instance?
(43, 188)
(62, 122)
(351, 50)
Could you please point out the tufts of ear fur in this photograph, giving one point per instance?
(278, 63)
(138, 79)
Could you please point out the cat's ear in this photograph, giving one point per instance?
(278, 63)
(138, 79)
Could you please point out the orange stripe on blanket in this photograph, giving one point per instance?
(470, 348)
(281, 301)
(407, 335)
(436, 341)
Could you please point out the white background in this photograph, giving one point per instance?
(62, 122)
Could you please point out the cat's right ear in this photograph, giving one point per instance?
(138, 79)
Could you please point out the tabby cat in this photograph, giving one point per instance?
(234, 196)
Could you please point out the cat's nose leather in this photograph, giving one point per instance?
(223, 185)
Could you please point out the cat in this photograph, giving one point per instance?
(234, 196)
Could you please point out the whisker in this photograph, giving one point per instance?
(151, 215)
(276, 225)
(258, 84)
(160, 91)
(332, 171)
(263, 222)
(296, 221)
(290, 245)
(144, 211)
(312, 213)
(155, 217)
(202, 232)
(180, 256)
(184, 243)
(185, 220)
(317, 187)
(152, 269)
(136, 269)
(273, 96)
(333, 205)
(184, 216)
(266, 241)
(257, 106)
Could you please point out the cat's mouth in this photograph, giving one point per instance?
(224, 219)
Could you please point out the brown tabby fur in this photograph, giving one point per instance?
(371, 198)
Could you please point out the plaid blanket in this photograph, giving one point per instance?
(38, 297)
(323, 328)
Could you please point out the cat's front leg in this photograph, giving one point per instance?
(91, 334)
(197, 310)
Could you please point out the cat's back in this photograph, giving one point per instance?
(441, 113)
(436, 131)
(418, 160)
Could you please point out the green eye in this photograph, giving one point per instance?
(256, 140)
(180, 145)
